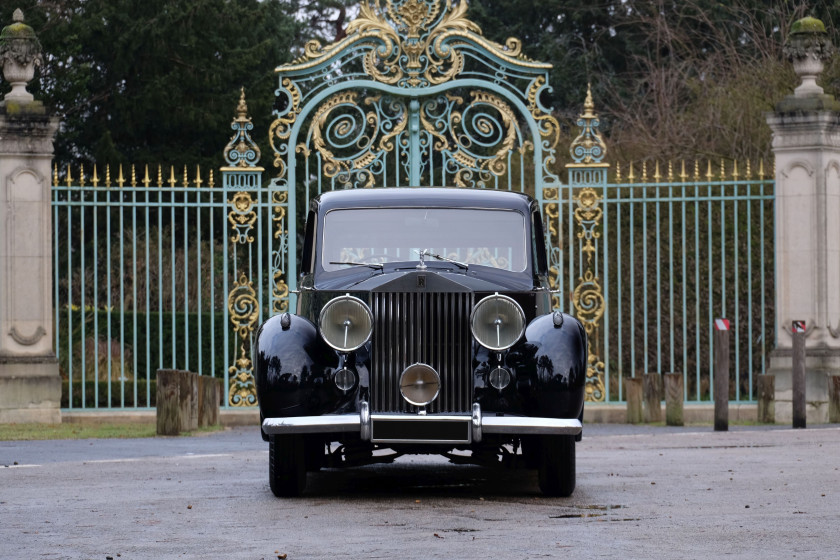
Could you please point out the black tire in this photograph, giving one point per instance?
(286, 465)
(557, 465)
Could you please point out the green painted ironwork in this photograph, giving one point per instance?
(414, 95)
(658, 258)
(159, 273)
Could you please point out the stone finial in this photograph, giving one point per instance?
(807, 46)
(20, 53)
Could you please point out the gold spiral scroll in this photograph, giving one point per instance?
(553, 240)
(588, 297)
(243, 307)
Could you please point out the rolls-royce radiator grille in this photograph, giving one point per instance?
(432, 328)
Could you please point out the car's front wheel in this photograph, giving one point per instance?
(557, 465)
(286, 465)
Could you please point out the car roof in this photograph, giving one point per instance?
(442, 197)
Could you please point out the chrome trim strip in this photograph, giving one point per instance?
(526, 425)
(312, 424)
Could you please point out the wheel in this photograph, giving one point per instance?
(557, 465)
(286, 465)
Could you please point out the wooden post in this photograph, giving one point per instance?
(798, 329)
(203, 403)
(193, 401)
(766, 388)
(653, 397)
(214, 387)
(673, 399)
(208, 410)
(721, 380)
(633, 394)
(185, 403)
(168, 402)
(834, 399)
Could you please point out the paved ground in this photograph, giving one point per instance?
(642, 493)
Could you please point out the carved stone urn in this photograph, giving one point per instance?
(807, 47)
(20, 53)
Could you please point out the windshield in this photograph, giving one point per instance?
(381, 235)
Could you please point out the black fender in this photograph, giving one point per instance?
(548, 367)
(293, 370)
(560, 356)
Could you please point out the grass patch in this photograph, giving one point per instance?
(28, 432)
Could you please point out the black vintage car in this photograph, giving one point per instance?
(423, 325)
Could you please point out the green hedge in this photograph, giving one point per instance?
(158, 347)
(91, 400)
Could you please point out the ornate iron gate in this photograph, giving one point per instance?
(415, 96)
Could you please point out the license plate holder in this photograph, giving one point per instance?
(421, 429)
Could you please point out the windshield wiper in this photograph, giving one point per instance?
(377, 266)
(465, 266)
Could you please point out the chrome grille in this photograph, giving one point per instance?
(432, 328)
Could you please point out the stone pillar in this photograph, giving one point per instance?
(30, 384)
(806, 143)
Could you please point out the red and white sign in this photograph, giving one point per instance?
(799, 326)
(722, 324)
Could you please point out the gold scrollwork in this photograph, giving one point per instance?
(548, 125)
(280, 290)
(243, 308)
(588, 296)
(417, 44)
(588, 300)
(242, 217)
(332, 166)
(588, 216)
(280, 293)
(242, 391)
(281, 127)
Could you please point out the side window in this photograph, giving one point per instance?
(306, 261)
(538, 243)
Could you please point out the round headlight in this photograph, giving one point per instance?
(419, 384)
(497, 322)
(346, 323)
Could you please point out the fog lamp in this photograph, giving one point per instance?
(344, 379)
(499, 378)
(419, 384)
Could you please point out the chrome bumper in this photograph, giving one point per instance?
(479, 425)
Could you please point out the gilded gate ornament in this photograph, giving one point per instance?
(242, 182)
(242, 217)
(588, 172)
(243, 308)
(413, 95)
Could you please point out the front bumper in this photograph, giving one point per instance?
(417, 428)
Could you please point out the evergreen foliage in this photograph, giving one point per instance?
(157, 81)
(148, 81)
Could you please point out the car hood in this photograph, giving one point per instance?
(476, 279)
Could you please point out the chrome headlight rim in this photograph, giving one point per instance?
(487, 301)
(425, 367)
(325, 310)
